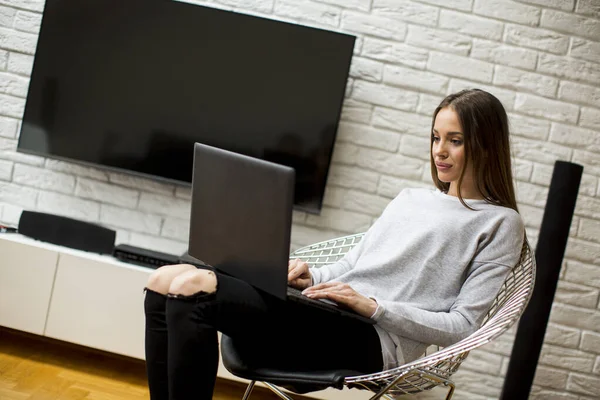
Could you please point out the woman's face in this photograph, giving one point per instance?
(448, 151)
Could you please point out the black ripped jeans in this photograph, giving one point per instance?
(182, 346)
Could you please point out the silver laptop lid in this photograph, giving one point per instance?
(241, 216)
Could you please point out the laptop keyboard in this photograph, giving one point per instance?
(327, 305)
(297, 294)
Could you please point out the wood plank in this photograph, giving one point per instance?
(38, 368)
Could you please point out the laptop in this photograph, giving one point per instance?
(241, 221)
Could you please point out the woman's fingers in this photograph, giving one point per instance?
(294, 269)
(330, 289)
(292, 264)
(339, 297)
(344, 295)
(298, 274)
(324, 294)
(325, 285)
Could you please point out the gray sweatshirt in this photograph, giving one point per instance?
(433, 266)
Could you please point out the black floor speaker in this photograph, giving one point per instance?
(67, 232)
(549, 253)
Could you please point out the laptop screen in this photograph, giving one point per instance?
(241, 216)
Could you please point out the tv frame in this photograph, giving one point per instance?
(185, 184)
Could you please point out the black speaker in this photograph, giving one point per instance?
(549, 254)
(67, 232)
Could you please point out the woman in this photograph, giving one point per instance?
(425, 272)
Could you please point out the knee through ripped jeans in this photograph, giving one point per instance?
(181, 340)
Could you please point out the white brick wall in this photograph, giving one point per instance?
(499, 53)
(536, 38)
(540, 57)
(508, 10)
(6, 168)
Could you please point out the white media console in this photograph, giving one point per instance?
(83, 298)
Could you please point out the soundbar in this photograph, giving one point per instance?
(67, 232)
(143, 257)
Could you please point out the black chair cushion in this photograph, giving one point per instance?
(299, 381)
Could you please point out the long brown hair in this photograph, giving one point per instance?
(485, 128)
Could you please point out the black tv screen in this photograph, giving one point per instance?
(133, 84)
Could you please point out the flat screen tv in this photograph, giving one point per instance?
(132, 84)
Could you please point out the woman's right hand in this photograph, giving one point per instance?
(298, 274)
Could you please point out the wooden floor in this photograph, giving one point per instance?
(37, 368)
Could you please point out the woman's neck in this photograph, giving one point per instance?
(466, 191)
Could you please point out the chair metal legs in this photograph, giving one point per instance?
(423, 375)
(249, 390)
(451, 391)
(381, 394)
(278, 391)
(273, 388)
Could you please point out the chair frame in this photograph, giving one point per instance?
(435, 369)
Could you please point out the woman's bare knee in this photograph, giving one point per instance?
(160, 280)
(192, 282)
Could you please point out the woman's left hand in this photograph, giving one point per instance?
(343, 294)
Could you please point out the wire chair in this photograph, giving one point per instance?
(435, 369)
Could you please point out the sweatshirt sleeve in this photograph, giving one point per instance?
(340, 267)
(445, 328)
(496, 256)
